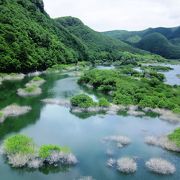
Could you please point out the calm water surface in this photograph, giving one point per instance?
(52, 124)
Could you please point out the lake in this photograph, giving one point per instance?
(53, 124)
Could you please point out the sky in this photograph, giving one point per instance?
(104, 15)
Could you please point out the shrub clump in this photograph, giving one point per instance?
(175, 137)
(37, 78)
(20, 144)
(45, 150)
(126, 165)
(160, 166)
(36, 81)
(82, 101)
(32, 90)
(103, 102)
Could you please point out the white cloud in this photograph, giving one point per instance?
(105, 15)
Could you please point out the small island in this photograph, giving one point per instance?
(32, 88)
(21, 151)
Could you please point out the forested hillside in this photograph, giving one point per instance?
(31, 40)
(99, 46)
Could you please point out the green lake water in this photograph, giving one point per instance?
(53, 124)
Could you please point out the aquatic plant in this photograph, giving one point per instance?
(19, 144)
(160, 166)
(175, 136)
(82, 101)
(126, 165)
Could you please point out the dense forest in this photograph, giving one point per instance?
(99, 46)
(163, 41)
(31, 40)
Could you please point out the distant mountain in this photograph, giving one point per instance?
(162, 41)
(99, 46)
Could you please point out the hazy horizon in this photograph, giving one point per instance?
(106, 15)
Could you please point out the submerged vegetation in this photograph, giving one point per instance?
(142, 89)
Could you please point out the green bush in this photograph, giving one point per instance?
(37, 78)
(19, 144)
(82, 101)
(1, 114)
(30, 89)
(175, 136)
(103, 102)
(46, 150)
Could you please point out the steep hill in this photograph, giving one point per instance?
(31, 40)
(167, 38)
(99, 46)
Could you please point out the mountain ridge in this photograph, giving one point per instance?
(170, 36)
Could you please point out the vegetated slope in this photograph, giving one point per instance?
(99, 46)
(31, 40)
(157, 43)
(169, 37)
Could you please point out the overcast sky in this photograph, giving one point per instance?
(103, 15)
